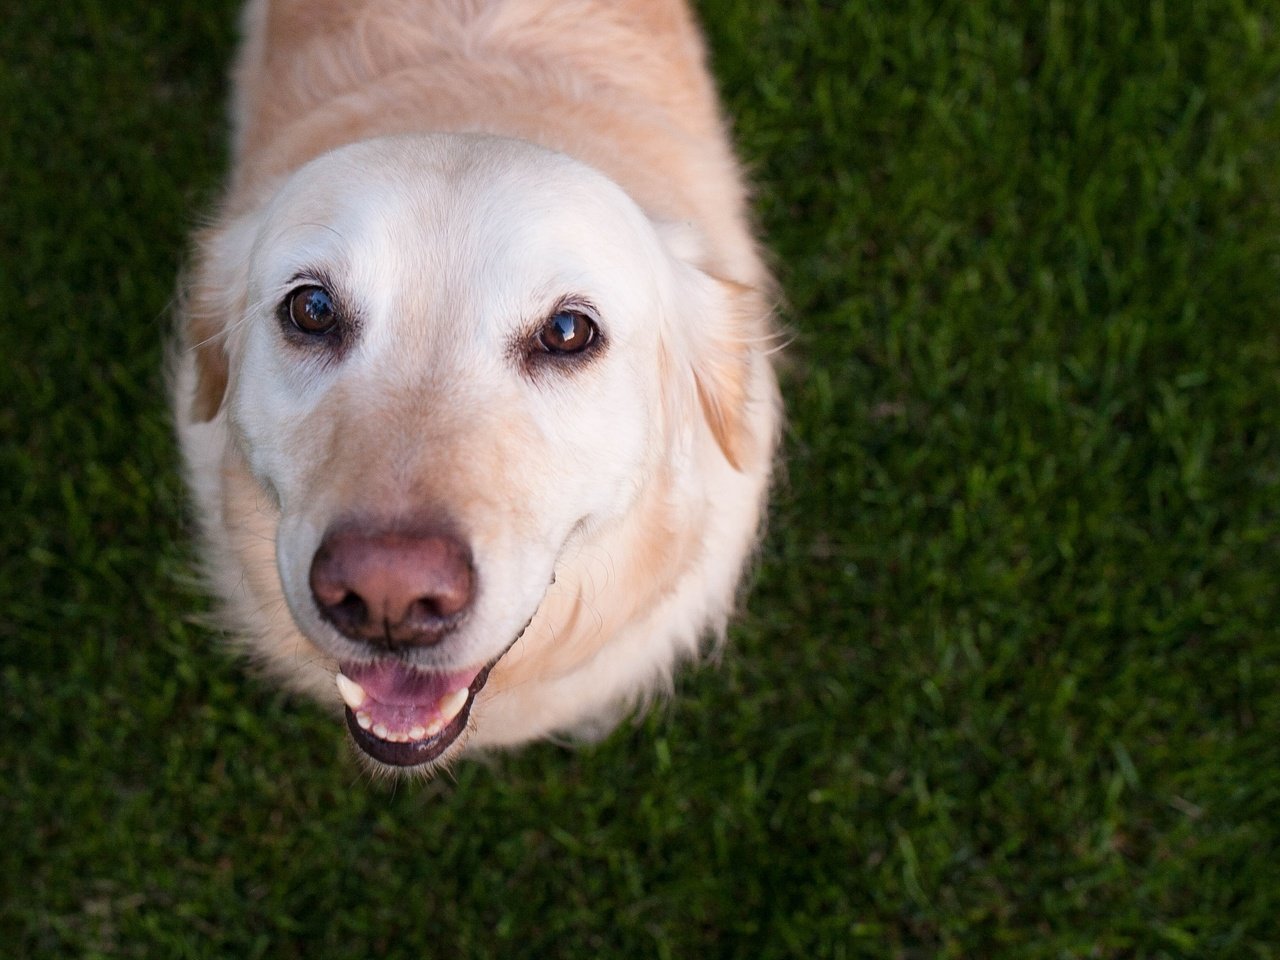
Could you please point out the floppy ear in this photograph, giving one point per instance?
(203, 333)
(724, 324)
(212, 301)
(722, 371)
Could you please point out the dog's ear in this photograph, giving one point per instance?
(203, 333)
(722, 373)
(211, 302)
(724, 326)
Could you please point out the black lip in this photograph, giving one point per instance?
(422, 752)
(411, 754)
(418, 752)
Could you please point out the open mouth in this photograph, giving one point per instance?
(405, 717)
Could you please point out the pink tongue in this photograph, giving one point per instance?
(392, 683)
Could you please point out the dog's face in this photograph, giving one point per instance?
(445, 364)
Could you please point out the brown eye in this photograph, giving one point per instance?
(568, 331)
(311, 310)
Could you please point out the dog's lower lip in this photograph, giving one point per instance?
(415, 753)
(412, 753)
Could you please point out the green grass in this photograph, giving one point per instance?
(1009, 680)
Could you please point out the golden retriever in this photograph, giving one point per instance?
(473, 383)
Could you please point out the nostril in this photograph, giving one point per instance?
(424, 610)
(350, 609)
(449, 594)
(442, 606)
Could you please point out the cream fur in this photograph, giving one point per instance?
(454, 167)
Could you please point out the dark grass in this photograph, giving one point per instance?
(1008, 681)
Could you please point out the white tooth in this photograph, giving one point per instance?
(434, 727)
(352, 693)
(380, 731)
(417, 733)
(364, 720)
(451, 703)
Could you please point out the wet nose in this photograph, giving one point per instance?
(392, 588)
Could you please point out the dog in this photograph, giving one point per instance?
(473, 378)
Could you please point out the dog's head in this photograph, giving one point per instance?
(468, 411)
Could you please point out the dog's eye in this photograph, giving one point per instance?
(568, 331)
(311, 310)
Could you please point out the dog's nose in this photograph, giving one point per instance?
(392, 588)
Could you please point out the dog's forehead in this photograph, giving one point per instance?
(464, 207)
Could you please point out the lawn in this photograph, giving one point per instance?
(1008, 682)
